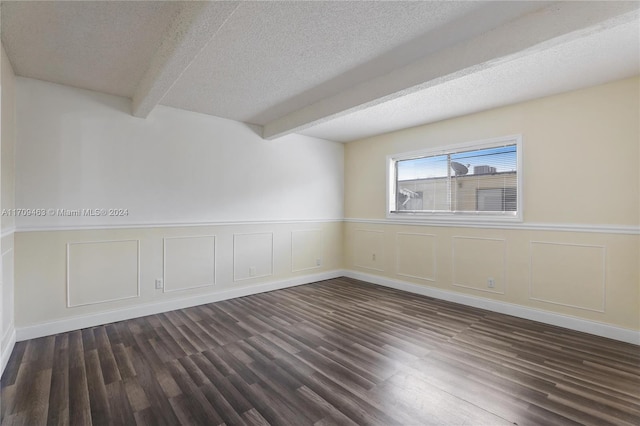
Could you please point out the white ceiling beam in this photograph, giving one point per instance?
(537, 31)
(196, 24)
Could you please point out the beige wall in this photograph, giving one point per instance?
(581, 152)
(593, 276)
(581, 145)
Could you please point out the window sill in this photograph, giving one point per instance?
(466, 219)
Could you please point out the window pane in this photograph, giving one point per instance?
(484, 180)
(422, 184)
(488, 161)
(481, 180)
(423, 168)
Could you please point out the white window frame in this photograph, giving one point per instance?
(472, 217)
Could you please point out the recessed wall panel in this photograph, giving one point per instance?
(102, 271)
(252, 255)
(479, 263)
(369, 249)
(189, 262)
(416, 255)
(568, 274)
(306, 249)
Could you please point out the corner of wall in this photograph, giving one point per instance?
(7, 197)
(8, 343)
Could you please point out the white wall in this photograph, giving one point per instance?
(214, 210)
(8, 142)
(8, 139)
(80, 149)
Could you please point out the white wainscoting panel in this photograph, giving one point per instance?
(476, 260)
(7, 293)
(416, 255)
(102, 271)
(2, 322)
(7, 345)
(189, 262)
(369, 249)
(306, 249)
(252, 255)
(568, 274)
(92, 319)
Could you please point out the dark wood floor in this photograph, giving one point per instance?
(333, 352)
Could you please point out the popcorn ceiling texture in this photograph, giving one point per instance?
(565, 67)
(101, 46)
(334, 70)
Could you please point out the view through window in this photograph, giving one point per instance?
(470, 180)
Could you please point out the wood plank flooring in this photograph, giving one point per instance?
(334, 352)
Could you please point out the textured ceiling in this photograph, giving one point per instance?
(96, 45)
(335, 70)
(273, 58)
(588, 61)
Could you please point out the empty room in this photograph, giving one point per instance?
(320, 213)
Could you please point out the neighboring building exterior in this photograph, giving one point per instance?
(473, 192)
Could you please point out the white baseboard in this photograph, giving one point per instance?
(8, 342)
(565, 321)
(92, 320)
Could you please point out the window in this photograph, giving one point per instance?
(474, 180)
